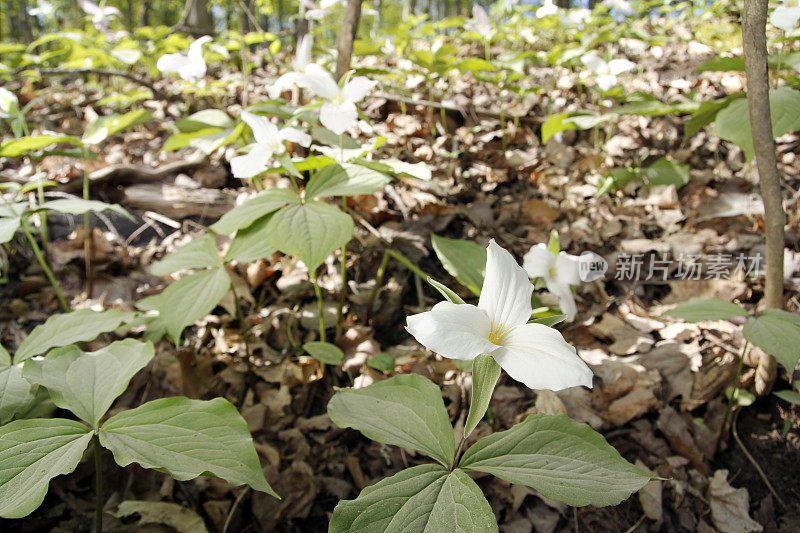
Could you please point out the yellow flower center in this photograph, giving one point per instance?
(496, 334)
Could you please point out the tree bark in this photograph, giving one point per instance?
(352, 16)
(754, 20)
(196, 18)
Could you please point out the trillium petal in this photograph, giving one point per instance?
(356, 89)
(319, 81)
(338, 118)
(295, 136)
(593, 62)
(455, 331)
(568, 269)
(479, 15)
(251, 164)
(606, 81)
(618, 66)
(506, 293)
(284, 82)
(264, 131)
(196, 48)
(566, 300)
(785, 18)
(193, 70)
(539, 357)
(538, 261)
(303, 57)
(171, 62)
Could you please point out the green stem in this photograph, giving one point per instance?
(407, 263)
(400, 258)
(87, 230)
(732, 395)
(780, 61)
(503, 140)
(378, 281)
(343, 291)
(242, 324)
(98, 488)
(42, 215)
(320, 306)
(290, 333)
(458, 452)
(430, 108)
(43, 263)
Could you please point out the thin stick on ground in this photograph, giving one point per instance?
(755, 464)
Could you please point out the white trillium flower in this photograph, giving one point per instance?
(548, 8)
(101, 16)
(9, 105)
(480, 22)
(318, 11)
(388, 47)
(619, 6)
(574, 17)
(339, 111)
(269, 142)
(559, 272)
(300, 63)
(785, 17)
(190, 66)
(534, 354)
(43, 8)
(606, 72)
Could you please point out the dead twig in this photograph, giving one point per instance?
(98, 72)
(124, 174)
(464, 112)
(754, 462)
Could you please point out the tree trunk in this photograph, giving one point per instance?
(196, 18)
(754, 19)
(24, 26)
(352, 16)
(301, 26)
(754, 40)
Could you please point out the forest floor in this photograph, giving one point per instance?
(659, 392)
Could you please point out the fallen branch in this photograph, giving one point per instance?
(124, 174)
(470, 113)
(99, 72)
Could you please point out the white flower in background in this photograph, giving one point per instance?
(548, 8)
(785, 17)
(619, 6)
(319, 11)
(560, 272)
(269, 142)
(43, 9)
(606, 72)
(189, 66)
(573, 17)
(9, 105)
(388, 47)
(480, 22)
(301, 60)
(101, 16)
(534, 354)
(339, 111)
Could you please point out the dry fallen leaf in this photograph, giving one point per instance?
(179, 518)
(730, 507)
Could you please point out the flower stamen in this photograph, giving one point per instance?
(497, 334)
